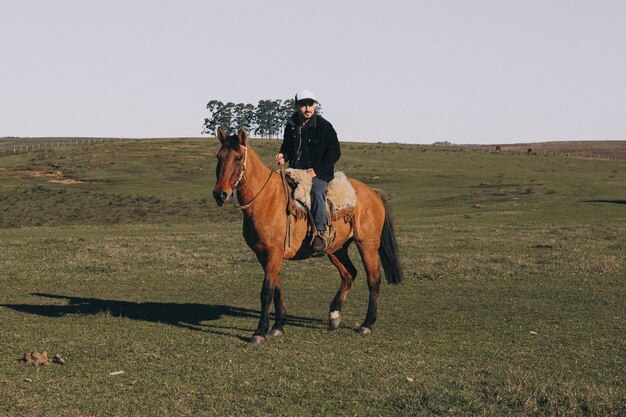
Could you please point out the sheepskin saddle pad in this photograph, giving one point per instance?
(340, 194)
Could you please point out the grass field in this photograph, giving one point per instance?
(114, 256)
(586, 149)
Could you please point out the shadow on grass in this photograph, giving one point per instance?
(188, 316)
(606, 201)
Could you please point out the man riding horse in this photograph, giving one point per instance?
(310, 143)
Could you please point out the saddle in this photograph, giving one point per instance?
(340, 196)
(340, 200)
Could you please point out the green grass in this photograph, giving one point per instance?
(515, 308)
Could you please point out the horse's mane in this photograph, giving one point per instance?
(232, 142)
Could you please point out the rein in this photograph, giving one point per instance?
(243, 170)
(287, 243)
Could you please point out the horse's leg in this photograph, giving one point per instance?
(271, 290)
(279, 309)
(348, 273)
(369, 253)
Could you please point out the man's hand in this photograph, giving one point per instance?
(280, 158)
(311, 172)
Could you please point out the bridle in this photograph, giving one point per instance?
(240, 177)
(243, 168)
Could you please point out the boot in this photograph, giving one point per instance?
(319, 244)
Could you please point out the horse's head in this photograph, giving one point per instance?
(231, 164)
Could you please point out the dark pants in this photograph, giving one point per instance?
(318, 203)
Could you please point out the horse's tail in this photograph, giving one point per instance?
(388, 249)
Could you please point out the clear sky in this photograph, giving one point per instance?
(499, 71)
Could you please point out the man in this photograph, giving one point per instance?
(310, 143)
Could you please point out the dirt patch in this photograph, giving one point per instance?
(41, 358)
(56, 177)
(50, 174)
(67, 181)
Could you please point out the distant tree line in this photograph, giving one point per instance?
(267, 119)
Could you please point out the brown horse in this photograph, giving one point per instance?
(264, 203)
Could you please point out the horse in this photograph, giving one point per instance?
(263, 201)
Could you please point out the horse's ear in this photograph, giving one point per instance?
(221, 134)
(243, 137)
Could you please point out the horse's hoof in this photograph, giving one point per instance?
(276, 333)
(334, 320)
(364, 331)
(257, 339)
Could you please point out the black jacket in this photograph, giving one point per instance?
(314, 146)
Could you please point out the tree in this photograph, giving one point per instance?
(245, 117)
(225, 117)
(287, 108)
(210, 123)
(275, 117)
(263, 115)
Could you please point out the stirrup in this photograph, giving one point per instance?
(324, 243)
(319, 236)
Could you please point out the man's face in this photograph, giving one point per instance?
(306, 108)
